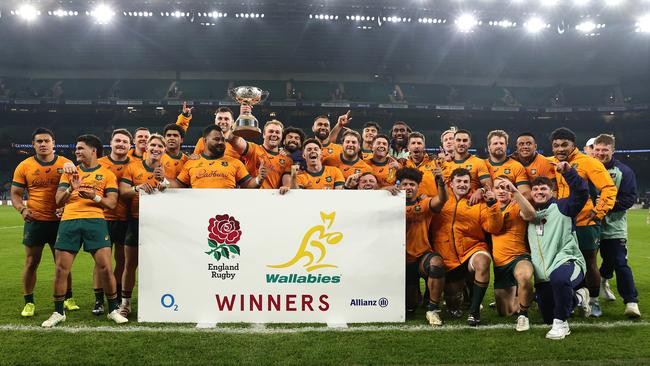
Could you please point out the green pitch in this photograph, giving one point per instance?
(87, 339)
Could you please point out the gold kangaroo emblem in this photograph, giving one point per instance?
(332, 238)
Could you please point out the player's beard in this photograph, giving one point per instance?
(291, 148)
(322, 134)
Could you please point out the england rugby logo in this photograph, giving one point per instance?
(223, 235)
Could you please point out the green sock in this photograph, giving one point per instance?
(99, 295)
(58, 307)
(29, 298)
(478, 292)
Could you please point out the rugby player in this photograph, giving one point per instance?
(459, 237)
(85, 195)
(317, 175)
(224, 118)
(513, 270)
(117, 219)
(536, 164)
(215, 170)
(419, 159)
(399, 140)
(590, 217)
(369, 132)
(349, 161)
(38, 176)
(421, 259)
(292, 138)
(479, 174)
(498, 162)
(447, 149)
(383, 166)
(146, 176)
(321, 130)
(140, 138)
(267, 154)
(174, 158)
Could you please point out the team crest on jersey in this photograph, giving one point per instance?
(468, 166)
(59, 170)
(506, 171)
(99, 177)
(282, 161)
(224, 163)
(106, 238)
(37, 172)
(328, 179)
(139, 176)
(357, 171)
(575, 165)
(330, 150)
(418, 208)
(533, 171)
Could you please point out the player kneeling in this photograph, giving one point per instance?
(559, 265)
(421, 260)
(513, 270)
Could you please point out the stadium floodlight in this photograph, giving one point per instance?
(63, 13)
(102, 14)
(466, 23)
(581, 2)
(28, 12)
(613, 2)
(643, 24)
(549, 3)
(586, 26)
(535, 25)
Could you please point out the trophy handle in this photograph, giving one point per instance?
(264, 96)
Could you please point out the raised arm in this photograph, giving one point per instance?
(578, 190)
(339, 126)
(438, 202)
(526, 209)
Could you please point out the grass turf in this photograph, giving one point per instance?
(618, 344)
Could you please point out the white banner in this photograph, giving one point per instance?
(214, 256)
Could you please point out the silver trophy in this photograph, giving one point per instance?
(246, 125)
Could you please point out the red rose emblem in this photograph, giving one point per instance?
(224, 229)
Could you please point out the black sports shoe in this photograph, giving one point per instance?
(474, 320)
(99, 308)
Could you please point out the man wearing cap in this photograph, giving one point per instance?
(589, 147)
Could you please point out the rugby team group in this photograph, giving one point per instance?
(539, 221)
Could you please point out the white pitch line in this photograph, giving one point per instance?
(10, 227)
(272, 330)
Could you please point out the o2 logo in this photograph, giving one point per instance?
(168, 302)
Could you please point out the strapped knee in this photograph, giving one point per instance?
(432, 271)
